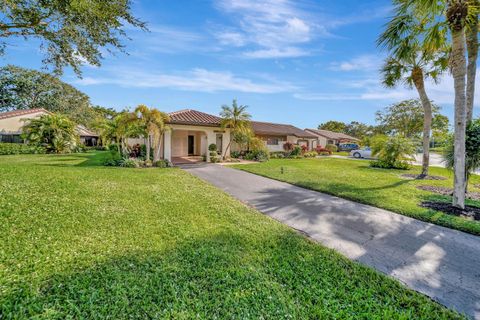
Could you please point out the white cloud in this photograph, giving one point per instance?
(270, 26)
(200, 80)
(361, 63)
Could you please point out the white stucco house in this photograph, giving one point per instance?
(11, 124)
(276, 134)
(190, 134)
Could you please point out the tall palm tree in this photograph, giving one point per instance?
(412, 62)
(153, 124)
(472, 52)
(438, 19)
(53, 132)
(456, 17)
(237, 119)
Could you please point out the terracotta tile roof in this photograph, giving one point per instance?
(332, 135)
(194, 117)
(16, 113)
(277, 129)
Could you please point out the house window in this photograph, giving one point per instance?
(272, 141)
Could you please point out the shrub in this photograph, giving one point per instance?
(162, 163)
(131, 163)
(19, 148)
(288, 146)
(257, 144)
(113, 159)
(402, 165)
(322, 151)
(296, 151)
(331, 147)
(311, 154)
(212, 147)
(304, 148)
(235, 154)
(214, 158)
(259, 155)
(148, 163)
(277, 155)
(392, 152)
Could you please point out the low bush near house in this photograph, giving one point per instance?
(288, 146)
(331, 147)
(323, 151)
(19, 148)
(130, 163)
(235, 154)
(296, 151)
(257, 155)
(311, 154)
(212, 147)
(162, 164)
(277, 155)
(304, 149)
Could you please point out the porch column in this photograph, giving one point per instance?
(211, 138)
(167, 146)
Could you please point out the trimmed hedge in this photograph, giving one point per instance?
(19, 148)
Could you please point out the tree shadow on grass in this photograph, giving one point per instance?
(89, 159)
(222, 276)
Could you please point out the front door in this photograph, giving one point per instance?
(191, 145)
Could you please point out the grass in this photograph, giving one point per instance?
(341, 153)
(82, 241)
(383, 188)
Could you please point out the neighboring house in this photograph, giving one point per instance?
(275, 135)
(325, 137)
(11, 124)
(190, 134)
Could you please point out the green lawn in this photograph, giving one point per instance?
(81, 241)
(354, 179)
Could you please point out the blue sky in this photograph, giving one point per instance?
(298, 62)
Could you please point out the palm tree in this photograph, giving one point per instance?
(472, 51)
(412, 62)
(237, 119)
(456, 17)
(53, 132)
(436, 23)
(153, 124)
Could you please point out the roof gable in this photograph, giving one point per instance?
(331, 135)
(194, 117)
(268, 128)
(17, 113)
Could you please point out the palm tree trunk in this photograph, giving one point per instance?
(458, 66)
(226, 149)
(156, 150)
(427, 119)
(472, 49)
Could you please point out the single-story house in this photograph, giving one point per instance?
(325, 137)
(275, 135)
(190, 134)
(11, 124)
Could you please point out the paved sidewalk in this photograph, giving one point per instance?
(439, 262)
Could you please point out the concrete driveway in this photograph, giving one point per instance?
(442, 263)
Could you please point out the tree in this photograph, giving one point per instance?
(22, 88)
(359, 130)
(406, 119)
(73, 32)
(456, 17)
(55, 133)
(335, 126)
(153, 125)
(236, 118)
(472, 51)
(412, 62)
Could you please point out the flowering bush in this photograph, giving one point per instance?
(288, 146)
(323, 151)
(304, 148)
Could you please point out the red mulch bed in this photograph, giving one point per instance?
(448, 191)
(469, 212)
(419, 177)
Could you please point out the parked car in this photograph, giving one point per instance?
(361, 153)
(347, 146)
